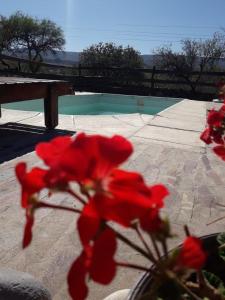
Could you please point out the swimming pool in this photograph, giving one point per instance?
(100, 104)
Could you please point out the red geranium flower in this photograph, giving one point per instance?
(220, 151)
(32, 183)
(125, 198)
(97, 262)
(51, 151)
(102, 155)
(206, 136)
(86, 159)
(151, 220)
(215, 118)
(192, 254)
(88, 223)
(222, 110)
(55, 154)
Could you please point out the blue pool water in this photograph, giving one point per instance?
(100, 104)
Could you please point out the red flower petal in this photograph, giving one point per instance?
(217, 136)
(205, 136)
(32, 182)
(158, 193)
(21, 171)
(215, 118)
(102, 153)
(51, 151)
(76, 279)
(192, 254)
(222, 110)
(88, 223)
(103, 266)
(220, 151)
(116, 149)
(28, 230)
(128, 198)
(151, 221)
(74, 163)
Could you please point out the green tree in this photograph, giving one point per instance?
(6, 38)
(34, 37)
(195, 56)
(105, 55)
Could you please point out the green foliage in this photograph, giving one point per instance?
(110, 55)
(106, 55)
(221, 238)
(32, 36)
(221, 241)
(215, 281)
(6, 36)
(195, 56)
(222, 253)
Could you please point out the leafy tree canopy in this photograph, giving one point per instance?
(201, 56)
(111, 55)
(31, 36)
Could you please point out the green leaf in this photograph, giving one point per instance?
(222, 253)
(215, 281)
(221, 238)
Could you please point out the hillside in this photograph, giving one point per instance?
(72, 58)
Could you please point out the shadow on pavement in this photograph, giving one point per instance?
(17, 139)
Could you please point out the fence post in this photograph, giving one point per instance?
(153, 80)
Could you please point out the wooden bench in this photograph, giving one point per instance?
(14, 89)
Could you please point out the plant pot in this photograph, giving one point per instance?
(15, 285)
(214, 264)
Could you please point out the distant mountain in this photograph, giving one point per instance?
(68, 57)
(72, 58)
(62, 57)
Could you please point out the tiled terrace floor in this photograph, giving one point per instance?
(167, 150)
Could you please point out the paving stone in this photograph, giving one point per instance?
(170, 135)
(174, 157)
(188, 125)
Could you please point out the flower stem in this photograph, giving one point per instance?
(165, 249)
(47, 205)
(186, 289)
(132, 266)
(186, 230)
(131, 244)
(155, 246)
(151, 271)
(139, 233)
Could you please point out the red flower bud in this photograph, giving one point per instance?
(192, 254)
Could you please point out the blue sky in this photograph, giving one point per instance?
(143, 24)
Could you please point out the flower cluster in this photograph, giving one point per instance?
(215, 131)
(106, 193)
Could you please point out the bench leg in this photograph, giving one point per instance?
(51, 109)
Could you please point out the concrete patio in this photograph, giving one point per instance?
(167, 150)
